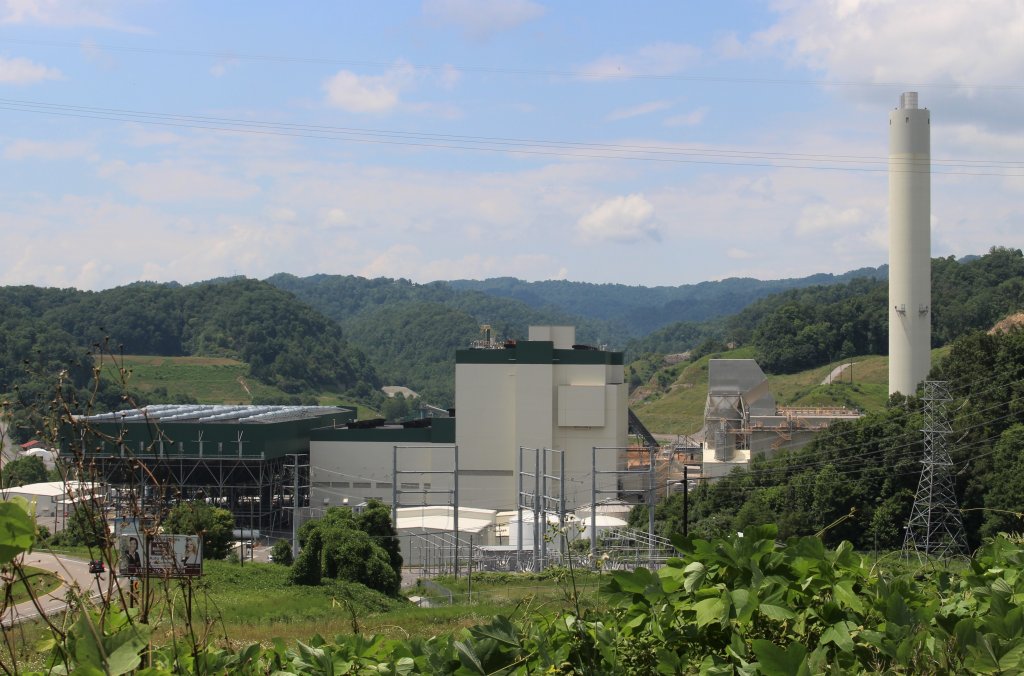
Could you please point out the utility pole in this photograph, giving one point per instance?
(686, 500)
(295, 506)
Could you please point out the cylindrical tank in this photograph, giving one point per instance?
(910, 287)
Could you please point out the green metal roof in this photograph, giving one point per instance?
(194, 431)
(537, 352)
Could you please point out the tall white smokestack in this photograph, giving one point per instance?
(910, 284)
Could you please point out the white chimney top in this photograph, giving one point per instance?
(908, 101)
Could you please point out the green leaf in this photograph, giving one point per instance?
(405, 666)
(897, 612)
(745, 603)
(125, 659)
(468, 657)
(87, 648)
(709, 610)
(1013, 659)
(845, 596)
(501, 630)
(966, 633)
(839, 633)
(695, 573)
(775, 612)
(635, 582)
(17, 531)
(672, 578)
(774, 661)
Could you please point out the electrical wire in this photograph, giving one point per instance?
(230, 55)
(506, 145)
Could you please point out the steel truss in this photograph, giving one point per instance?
(935, 527)
(252, 489)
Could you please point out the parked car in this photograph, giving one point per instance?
(96, 566)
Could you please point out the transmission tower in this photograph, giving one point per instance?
(935, 526)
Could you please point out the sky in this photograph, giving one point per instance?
(646, 143)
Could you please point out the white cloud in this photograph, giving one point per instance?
(825, 217)
(334, 217)
(638, 110)
(622, 219)
(222, 66)
(177, 181)
(22, 71)
(959, 54)
(366, 93)
(282, 214)
(479, 20)
(659, 59)
(62, 13)
(450, 76)
(26, 149)
(690, 119)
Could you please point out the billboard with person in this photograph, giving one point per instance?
(141, 553)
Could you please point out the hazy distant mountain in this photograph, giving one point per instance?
(640, 310)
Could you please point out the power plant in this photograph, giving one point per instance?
(910, 285)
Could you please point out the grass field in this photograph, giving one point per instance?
(40, 581)
(256, 603)
(680, 409)
(210, 380)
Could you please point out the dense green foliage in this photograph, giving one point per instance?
(285, 343)
(740, 605)
(359, 548)
(27, 470)
(642, 310)
(865, 472)
(199, 518)
(411, 331)
(810, 326)
(281, 553)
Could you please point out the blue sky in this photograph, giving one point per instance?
(649, 143)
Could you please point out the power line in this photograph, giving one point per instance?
(230, 55)
(518, 146)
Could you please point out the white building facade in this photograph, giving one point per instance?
(543, 392)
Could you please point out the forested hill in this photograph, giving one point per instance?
(641, 309)
(804, 328)
(285, 343)
(411, 331)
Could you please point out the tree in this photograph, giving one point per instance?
(281, 552)
(375, 521)
(27, 470)
(199, 518)
(85, 526)
(396, 407)
(337, 546)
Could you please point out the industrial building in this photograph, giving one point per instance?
(742, 420)
(53, 501)
(235, 457)
(542, 393)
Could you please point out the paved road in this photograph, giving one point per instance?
(75, 574)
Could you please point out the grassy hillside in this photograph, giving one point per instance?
(679, 407)
(208, 380)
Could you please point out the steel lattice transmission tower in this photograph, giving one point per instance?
(935, 526)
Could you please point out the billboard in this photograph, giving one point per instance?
(140, 553)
